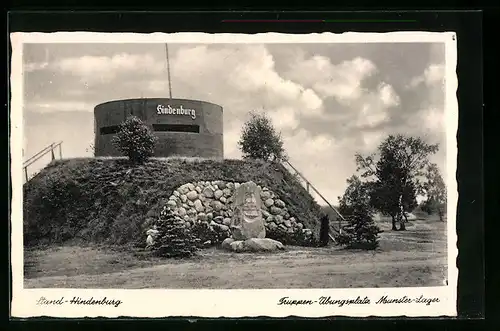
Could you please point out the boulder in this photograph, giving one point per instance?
(208, 192)
(247, 221)
(192, 195)
(181, 211)
(252, 245)
(226, 244)
(226, 221)
(218, 194)
(190, 203)
(210, 216)
(223, 200)
(275, 210)
(269, 202)
(218, 219)
(202, 217)
(184, 189)
(217, 205)
(230, 186)
(265, 214)
(287, 223)
(227, 192)
(236, 246)
(176, 193)
(198, 189)
(171, 204)
(265, 195)
(183, 198)
(198, 206)
(279, 219)
(279, 203)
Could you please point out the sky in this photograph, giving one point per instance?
(329, 101)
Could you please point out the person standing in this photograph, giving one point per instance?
(323, 233)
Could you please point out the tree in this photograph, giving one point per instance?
(259, 139)
(361, 231)
(174, 240)
(435, 190)
(395, 178)
(135, 140)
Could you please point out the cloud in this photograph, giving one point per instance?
(35, 66)
(246, 71)
(101, 68)
(327, 103)
(56, 105)
(342, 81)
(433, 75)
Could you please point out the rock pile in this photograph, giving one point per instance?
(212, 202)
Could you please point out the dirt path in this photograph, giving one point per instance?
(295, 268)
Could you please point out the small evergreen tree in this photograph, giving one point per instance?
(174, 240)
(135, 140)
(259, 139)
(360, 231)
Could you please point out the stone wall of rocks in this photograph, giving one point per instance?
(211, 202)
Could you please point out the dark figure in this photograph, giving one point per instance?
(323, 233)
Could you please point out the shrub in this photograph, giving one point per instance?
(298, 238)
(205, 233)
(259, 139)
(174, 240)
(360, 231)
(135, 140)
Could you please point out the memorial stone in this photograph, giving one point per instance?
(247, 219)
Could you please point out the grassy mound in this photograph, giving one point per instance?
(112, 201)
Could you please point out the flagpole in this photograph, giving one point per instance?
(168, 72)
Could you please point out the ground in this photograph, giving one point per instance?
(416, 257)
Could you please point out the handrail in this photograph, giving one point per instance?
(319, 194)
(40, 154)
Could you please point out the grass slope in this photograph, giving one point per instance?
(112, 201)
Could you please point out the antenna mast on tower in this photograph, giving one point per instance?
(168, 72)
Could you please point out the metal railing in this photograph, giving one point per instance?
(40, 154)
(308, 187)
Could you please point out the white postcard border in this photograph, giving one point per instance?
(231, 303)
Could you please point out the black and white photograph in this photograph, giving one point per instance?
(273, 174)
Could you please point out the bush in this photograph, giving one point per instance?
(205, 233)
(259, 140)
(135, 140)
(298, 238)
(361, 231)
(174, 240)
